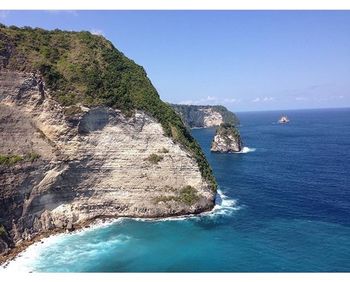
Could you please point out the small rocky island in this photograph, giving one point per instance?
(227, 139)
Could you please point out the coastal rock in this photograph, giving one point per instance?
(97, 163)
(227, 139)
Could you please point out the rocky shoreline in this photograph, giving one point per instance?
(91, 223)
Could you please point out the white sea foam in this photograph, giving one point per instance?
(23, 262)
(246, 150)
(224, 206)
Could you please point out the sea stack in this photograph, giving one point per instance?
(227, 139)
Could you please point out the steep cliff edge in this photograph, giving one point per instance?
(89, 139)
(205, 116)
(227, 140)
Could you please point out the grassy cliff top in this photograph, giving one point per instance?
(79, 67)
(226, 129)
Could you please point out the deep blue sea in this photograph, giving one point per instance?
(285, 207)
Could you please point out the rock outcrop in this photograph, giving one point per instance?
(226, 140)
(205, 116)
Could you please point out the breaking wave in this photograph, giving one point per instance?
(246, 150)
(224, 206)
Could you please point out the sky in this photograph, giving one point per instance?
(244, 60)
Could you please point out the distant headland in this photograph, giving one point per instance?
(205, 116)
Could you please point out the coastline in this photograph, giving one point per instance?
(222, 203)
(92, 223)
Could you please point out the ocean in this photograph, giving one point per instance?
(283, 206)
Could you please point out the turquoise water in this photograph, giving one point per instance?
(287, 208)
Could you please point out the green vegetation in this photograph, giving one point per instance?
(32, 156)
(2, 230)
(154, 158)
(188, 195)
(227, 129)
(227, 116)
(10, 160)
(79, 67)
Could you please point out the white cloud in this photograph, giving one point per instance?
(97, 32)
(57, 12)
(207, 100)
(203, 101)
(211, 100)
(186, 102)
(267, 99)
(263, 99)
(231, 100)
(329, 98)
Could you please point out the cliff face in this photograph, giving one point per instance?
(66, 162)
(226, 140)
(95, 163)
(205, 116)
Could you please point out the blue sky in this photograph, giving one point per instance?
(245, 60)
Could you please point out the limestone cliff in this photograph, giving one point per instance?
(205, 116)
(64, 164)
(96, 163)
(227, 139)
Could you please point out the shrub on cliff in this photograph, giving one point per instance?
(154, 158)
(9, 160)
(32, 156)
(226, 129)
(188, 195)
(2, 230)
